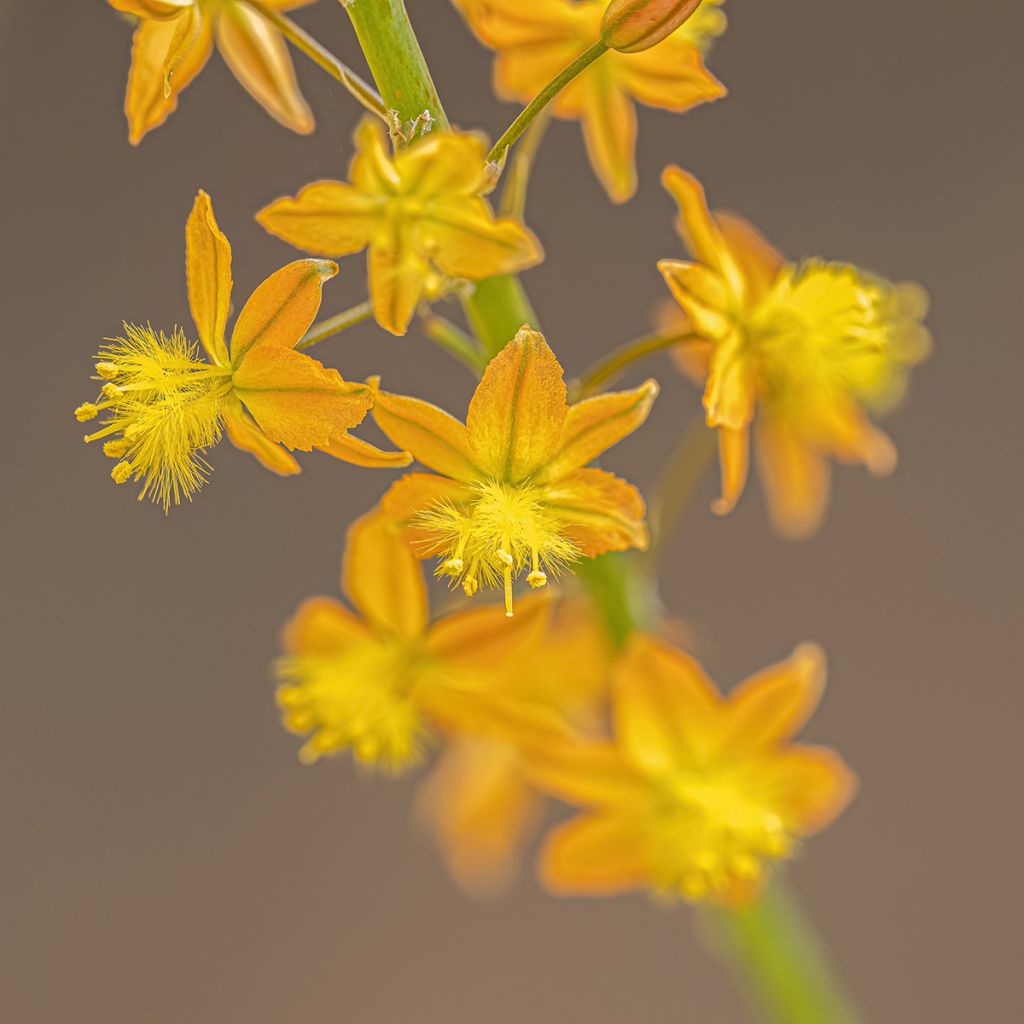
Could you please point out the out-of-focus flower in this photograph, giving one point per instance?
(513, 496)
(696, 792)
(164, 405)
(535, 39)
(418, 212)
(479, 802)
(367, 682)
(810, 347)
(173, 42)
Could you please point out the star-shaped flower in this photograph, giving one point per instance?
(418, 213)
(164, 405)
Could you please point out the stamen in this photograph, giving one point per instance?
(86, 411)
(453, 567)
(537, 579)
(121, 473)
(115, 449)
(508, 587)
(470, 585)
(108, 371)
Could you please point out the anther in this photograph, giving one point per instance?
(110, 391)
(470, 585)
(121, 473)
(504, 557)
(108, 371)
(86, 411)
(538, 578)
(115, 449)
(508, 589)
(453, 566)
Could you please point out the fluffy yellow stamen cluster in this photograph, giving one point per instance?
(162, 404)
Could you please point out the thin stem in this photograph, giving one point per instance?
(782, 961)
(542, 99)
(605, 370)
(513, 194)
(336, 324)
(455, 341)
(303, 41)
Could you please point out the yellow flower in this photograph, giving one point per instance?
(164, 404)
(369, 682)
(696, 792)
(536, 39)
(810, 347)
(513, 497)
(417, 213)
(173, 42)
(479, 801)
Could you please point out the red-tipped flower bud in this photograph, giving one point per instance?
(630, 26)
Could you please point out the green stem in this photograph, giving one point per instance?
(335, 324)
(301, 40)
(517, 179)
(542, 99)
(782, 960)
(605, 370)
(455, 342)
(496, 309)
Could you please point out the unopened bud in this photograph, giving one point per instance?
(630, 26)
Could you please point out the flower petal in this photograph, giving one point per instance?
(372, 170)
(398, 274)
(702, 294)
(280, 310)
(296, 400)
(328, 218)
(670, 75)
(585, 773)
(414, 492)
(609, 130)
(244, 434)
(444, 164)
(518, 410)
(358, 452)
(813, 785)
(758, 260)
(734, 459)
(433, 437)
(322, 625)
(729, 394)
(601, 512)
(595, 424)
(160, 9)
(208, 272)
(595, 855)
(258, 56)
(382, 577)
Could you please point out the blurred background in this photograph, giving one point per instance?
(165, 856)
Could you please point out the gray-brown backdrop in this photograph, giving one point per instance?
(166, 858)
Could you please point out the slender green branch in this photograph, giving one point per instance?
(336, 324)
(455, 341)
(542, 99)
(513, 193)
(605, 370)
(303, 41)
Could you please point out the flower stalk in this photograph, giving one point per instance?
(612, 366)
(332, 325)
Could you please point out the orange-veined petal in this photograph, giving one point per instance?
(734, 460)
(329, 218)
(398, 273)
(609, 130)
(601, 512)
(358, 452)
(208, 273)
(595, 855)
(243, 433)
(160, 9)
(414, 492)
(729, 395)
(702, 294)
(671, 75)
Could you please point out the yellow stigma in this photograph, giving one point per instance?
(162, 413)
(501, 531)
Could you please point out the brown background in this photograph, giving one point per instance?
(167, 859)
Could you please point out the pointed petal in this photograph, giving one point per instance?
(667, 712)
(432, 436)
(516, 415)
(795, 478)
(729, 394)
(759, 261)
(328, 218)
(296, 400)
(208, 272)
(160, 9)
(595, 424)
(609, 130)
(586, 773)
(258, 56)
(322, 625)
(358, 452)
(243, 433)
(595, 855)
(414, 492)
(813, 785)
(702, 294)
(772, 705)
(601, 512)
(382, 577)
(147, 103)
(734, 459)
(398, 274)
(372, 170)
(670, 75)
(281, 309)
(444, 164)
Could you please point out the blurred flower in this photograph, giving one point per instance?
(513, 496)
(697, 791)
(173, 42)
(536, 39)
(164, 404)
(810, 347)
(367, 682)
(418, 212)
(479, 802)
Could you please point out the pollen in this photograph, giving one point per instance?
(492, 538)
(86, 411)
(121, 473)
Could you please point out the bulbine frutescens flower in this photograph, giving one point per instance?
(513, 496)
(369, 682)
(697, 792)
(535, 39)
(419, 212)
(174, 40)
(802, 351)
(162, 405)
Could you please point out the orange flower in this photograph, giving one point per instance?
(513, 496)
(369, 682)
(173, 42)
(418, 213)
(697, 791)
(479, 801)
(164, 405)
(809, 347)
(536, 39)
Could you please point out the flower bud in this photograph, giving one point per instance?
(630, 26)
